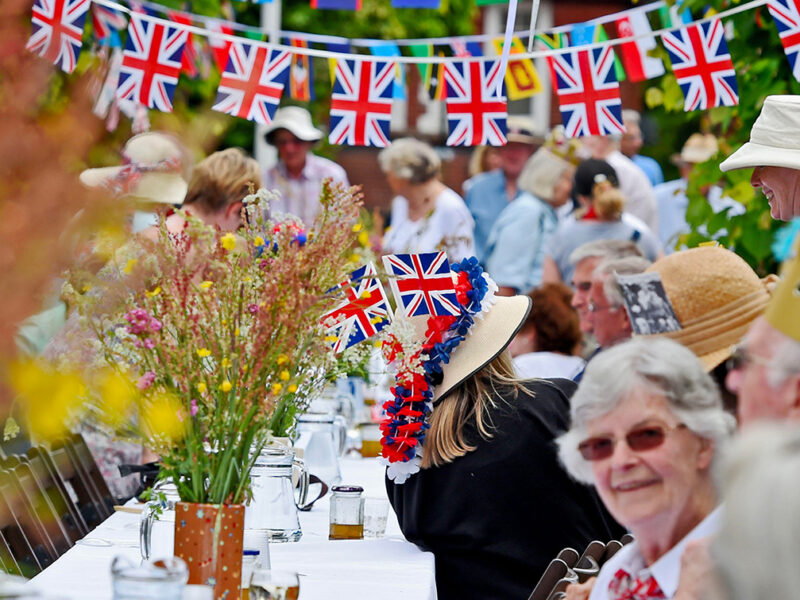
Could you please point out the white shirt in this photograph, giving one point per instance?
(545, 365)
(637, 189)
(666, 570)
(448, 227)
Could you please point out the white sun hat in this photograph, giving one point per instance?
(774, 139)
(297, 121)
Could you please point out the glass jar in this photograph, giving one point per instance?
(347, 513)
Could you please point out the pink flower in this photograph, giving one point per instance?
(139, 321)
(149, 343)
(193, 409)
(146, 380)
(252, 308)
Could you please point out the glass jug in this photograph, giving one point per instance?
(322, 436)
(273, 507)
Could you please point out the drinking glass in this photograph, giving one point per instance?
(274, 585)
(376, 514)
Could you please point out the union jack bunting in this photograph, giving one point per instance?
(588, 92)
(422, 284)
(702, 65)
(786, 14)
(475, 114)
(57, 31)
(107, 23)
(361, 102)
(363, 313)
(151, 62)
(220, 46)
(191, 51)
(253, 82)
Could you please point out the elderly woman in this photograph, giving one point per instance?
(647, 424)
(427, 216)
(486, 494)
(515, 250)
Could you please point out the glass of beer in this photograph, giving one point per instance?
(370, 439)
(270, 584)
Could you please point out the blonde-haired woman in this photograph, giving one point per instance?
(601, 216)
(427, 215)
(487, 495)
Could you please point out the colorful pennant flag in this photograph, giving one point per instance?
(437, 89)
(253, 82)
(588, 92)
(300, 87)
(361, 102)
(462, 48)
(522, 79)
(422, 284)
(390, 50)
(416, 3)
(220, 46)
(786, 14)
(551, 41)
(702, 65)
(475, 115)
(675, 15)
(339, 49)
(107, 23)
(151, 62)
(336, 4)
(425, 69)
(364, 312)
(583, 34)
(638, 65)
(57, 31)
(191, 53)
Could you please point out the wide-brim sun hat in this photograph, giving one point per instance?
(154, 170)
(698, 149)
(522, 130)
(295, 120)
(489, 336)
(774, 139)
(716, 296)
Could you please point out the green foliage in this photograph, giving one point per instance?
(761, 70)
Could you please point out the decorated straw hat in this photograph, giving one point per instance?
(155, 168)
(716, 295)
(783, 312)
(774, 139)
(297, 121)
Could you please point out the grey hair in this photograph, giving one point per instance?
(631, 116)
(657, 365)
(604, 249)
(410, 159)
(758, 543)
(628, 265)
(785, 361)
(541, 174)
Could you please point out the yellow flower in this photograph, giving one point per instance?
(117, 395)
(203, 352)
(206, 284)
(354, 258)
(226, 386)
(259, 241)
(282, 359)
(285, 375)
(357, 227)
(162, 418)
(128, 268)
(376, 320)
(363, 238)
(154, 292)
(86, 287)
(201, 388)
(377, 344)
(276, 388)
(331, 338)
(366, 295)
(292, 388)
(236, 331)
(228, 241)
(225, 363)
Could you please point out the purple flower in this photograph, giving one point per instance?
(155, 324)
(252, 308)
(193, 409)
(139, 321)
(146, 380)
(149, 343)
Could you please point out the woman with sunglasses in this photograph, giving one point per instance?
(647, 425)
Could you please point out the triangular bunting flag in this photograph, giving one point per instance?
(475, 115)
(786, 14)
(361, 102)
(58, 30)
(583, 34)
(300, 83)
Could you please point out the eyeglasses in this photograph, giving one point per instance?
(640, 439)
(740, 358)
(292, 141)
(594, 308)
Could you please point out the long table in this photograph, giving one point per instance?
(386, 568)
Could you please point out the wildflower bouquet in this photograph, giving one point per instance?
(222, 336)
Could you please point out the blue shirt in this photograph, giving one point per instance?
(516, 248)
(650, 167)
(486, 199)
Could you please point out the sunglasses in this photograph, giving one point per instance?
(639, 440)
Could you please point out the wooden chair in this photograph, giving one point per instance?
(22, 559)
(86, 462)
(27, 519)
(63, 498)
(86, 498)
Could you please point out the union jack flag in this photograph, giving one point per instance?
(361, 102)
(422, 283)
(702, 65)
(57, 31)
(107, 23)
(253, 82)
(475, 115)
(588, 92)
(786, 14)
(191, 51)
(364, 312)
(151, 62)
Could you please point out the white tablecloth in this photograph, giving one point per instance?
(386, 568)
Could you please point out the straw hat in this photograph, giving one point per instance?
(697, 149)
(716, 295)
(297, 121)
(774, 139)
(523, 130)
(492, 332)
(784, 308)
(154, 169)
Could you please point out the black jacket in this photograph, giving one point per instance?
(495, 517)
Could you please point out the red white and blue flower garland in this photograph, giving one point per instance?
(420, 369)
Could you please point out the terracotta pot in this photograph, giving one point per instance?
(209, 538)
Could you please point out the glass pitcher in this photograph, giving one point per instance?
(273, 507)
(322, 436)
